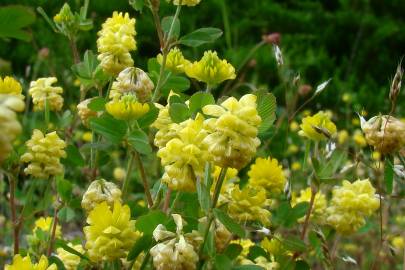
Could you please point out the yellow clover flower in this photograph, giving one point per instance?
(111, 232)
(45, 224)
(320, 204)
(9, 125)
(116, 40)
(385, 133)
(43, 155)
(42, 90)
(210, 69)
(25, 263)
(318, 127)
(175, 61)
(70, 260)
(248, 204)
(127, 108)
(267, 173)
(167, 129)
(185, 155)
(350, 204)
(232, 138)
(10, 86)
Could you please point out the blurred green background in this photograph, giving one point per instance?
(357, 43)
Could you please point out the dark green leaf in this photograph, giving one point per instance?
(229, 223)
(389, 173)
(140, 141)
(149, 222)
(74, 157)
(179, 112)
(142, 244)
(293, 243)
(64, 189)
(199, 100)
(110, 128)
(55, 260)
(97, 104)
(233, 250)
(204, 197)
(266, 108)
(301, 265)
(176, 83)
(201, 36)
(66, 214)
(300, 210)
(166, 24)
(137, 4)
(12, 21)
(256, 251)
(222, 262)
(149, 117)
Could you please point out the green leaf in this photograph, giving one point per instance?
(64, 189)
(293, 243)
(97, 104)
(389, 173)
(149, 117)
(248, 267)
(302, 265)
(222, 262)
(233, 250)
(59, 243)
(110, 128)
(201, 36)
(256, 251)
(149, 222)
(74, 157)
(88, 72)
(204, 197)
(299, 210)
(199, 100)
(66, 214)
(229, 223)
(55, 260)
(140, 142)
(329, 168)
(176, 83)
(179, 112)
(266, 108)
(137, 4)
(166, 24)
(142, 244)
(13, 20)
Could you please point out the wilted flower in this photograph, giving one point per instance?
(385, 133)
(350, 204)
(110, 233)
(42, 91)
(70, 260)
(132, 81)
(84, 112)
(175, 61)
(25, 263)
(100, 191)
(210, 69)
(116, 40)
(232, 138)
(318, 127)
(127, 108)
(43, 155)
(267, 173)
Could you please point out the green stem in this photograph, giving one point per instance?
(144, 179)
(128, 174)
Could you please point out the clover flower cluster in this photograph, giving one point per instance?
(100, 191)
(43, 93)
(268, 174)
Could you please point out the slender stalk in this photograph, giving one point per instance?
(128, 174)
(308, 215)
(167, 200)
(16, 230)
(73, 48)
(53, 232)
(156, 20)
(144, 179)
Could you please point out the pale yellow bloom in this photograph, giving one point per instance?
(42, 91)
(43, 155)
(45, 224)
(398, 242)
(233, 130)
(296, 166)
(267, 173)
(119, 173)
(294, 126)
(127, 108)
(10, 86)
(116, 40)
(210, 69)
(110, 233)
(87, 136)
(25, 263)
(317, 127)
(342, 136)
(167, 129)
(100, 191)
(70, 261)
(359, 139)
(175, 61)
(350, 204)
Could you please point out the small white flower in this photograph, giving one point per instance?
(322, 86)
(278, 55)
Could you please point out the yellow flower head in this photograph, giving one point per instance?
(9, 125)
(189, 3)
(385, 133)
(42, 90)
(167, 130)
(45, 224)
(185, 155)
(111, 232)
(320, 204)
(267, 173)
(25, 263)
(398, 242)
(350, 204)
(248, 204)
(100, 191)
(318, 127)
(210, 69)
(127, 108)
(342, 136)
(65, 16)
(274, 246)
(132, 81)
(175, 61)
(359, 139)
(232, 138)
(70, 261)
(116, 40)
(10, 86)
(44, 154)
(119, 174)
